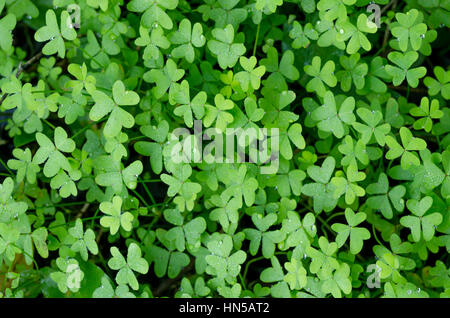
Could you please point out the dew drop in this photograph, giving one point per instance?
(409, 291)
(341, 31)
(418, 290)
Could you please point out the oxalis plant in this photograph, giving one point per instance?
(350, 97)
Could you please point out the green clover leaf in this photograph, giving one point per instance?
(353, 72)
(70, 275)
(322, 261)
(221, 263)
(83, 80)
(332, 118)
(187, 107)
(268, 5)
(357, 234)
(39, 237)
(321, 76)
(154, 149)
(226, 211)
(296, 274)
(52, 153)
(404, 61)
(25, 167)
(348, 185)
(224, 48)
(114, 218)
(118, 117)
(356, 34)
(197, 291)
(322, 190)
(386, 197)
(85, 240)
(51, 31)
(372, 127)
(427, 112)
(353, 151)
(410, 30)
(228, 12)
(218, 113)
(164, 78)
(126, 268)
(339, 282)
(166, 260)
(333, 9)
(302, 35)
(420, 225)
(187, 37)
(276, 275)
(112, 174)
(153, 40)
(299, 233)
(250, 75)
(410, 143)
(273, 104)
(261, 236)
(154, 12)
(7, 24)
(439, 85)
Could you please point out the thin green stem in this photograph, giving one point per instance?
(135, 138)
(6, 167)
(49, 123)
(149, 193)
(334, 215)
(242, 281)
(92, 58)
(439, 143)
(30, 256)
(95, 215)
(389, 165)
(87, 127)
(324, 223)
(72, 222)
(376, 237)
(256, 39)
(140, 198)
(256, 260)
(60, 205)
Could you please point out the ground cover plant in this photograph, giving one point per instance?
(94, 204)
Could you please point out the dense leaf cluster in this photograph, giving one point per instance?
(93, 204)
